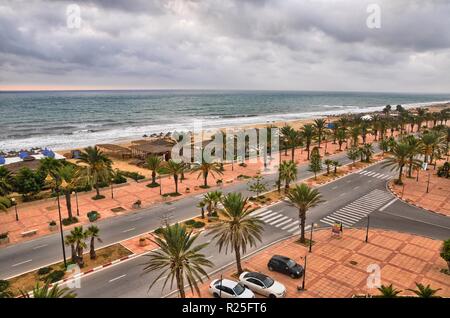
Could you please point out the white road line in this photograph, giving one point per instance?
(267, 216)
(39, 246)
(344, 193)
(334, 188)
(119, 277)
(264, 213)
(293, 229)
(256, 212)
(278, 221)
(339, 220)
(326, 222)
(346, 217)
(353, 211)
(273, 218)
(129, 230)
(289, 225)
(364, 172)
(388, 204)
(282, 223)
(357, 187)
(24, 262)
(370, 173)
(376, 174)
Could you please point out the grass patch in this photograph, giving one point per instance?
(153, 185)
(306, 242)
(172, 194)
(28, 280)
(98, 197)
(118, 209)
(69, 221)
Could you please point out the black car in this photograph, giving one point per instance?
(285, 265)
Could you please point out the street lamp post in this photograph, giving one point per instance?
(367, 229)
(428, 182)
(61, 228)
(76, 200)
(304, 274)
(310, 237)
(160, 185)
(15, 208)
(112, 188)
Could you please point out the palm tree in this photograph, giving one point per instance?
(341, 137)
(49, 166)
(70, 240)
(77, 238)
(6, 181)
(352, 154)
(293, 140)
(69, 181)
(423, 291)
(93, 234)
(178, 259)
(304, 198)
(285, 132)
(319, 125)
(388, 291)
(308, 133)
(47, 292)
(202, 205)
(211, 199)
(287, 173)
(205, 168)
(368, 151)
(328, 163)
(175, 169)
(236, 228)
(416, 149)
(336, 164)
(354, 132)
(384, 145)
(5, 291)
(387, 109)
(432, 143)
(154, 163)
(98, 167)
(400, 155)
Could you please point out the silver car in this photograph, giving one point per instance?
(226, 288)
(262, 284)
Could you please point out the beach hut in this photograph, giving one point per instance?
(158, 147)
(115, 151)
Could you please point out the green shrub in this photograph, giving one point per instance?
(4, 285)
(198, 225)
(3, 235)
(189, 222)
(98, 197)
(132, 175)
(54, 276)
(119, 178)
(214, 214)
(44, 270)
(158, 230)
(68, 221)
(153, 185)
(93, 216)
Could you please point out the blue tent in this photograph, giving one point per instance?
(23, 154)
(2, 160)
(48, 153)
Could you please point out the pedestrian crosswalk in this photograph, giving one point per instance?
(279, 220)
(358, 209)
(374, 174)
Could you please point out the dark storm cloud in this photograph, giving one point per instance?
(270, 44)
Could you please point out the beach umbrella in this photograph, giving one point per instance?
(23, 154)
(50, 154)
(2, 160)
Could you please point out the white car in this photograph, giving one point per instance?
(225, 288)
(262, 284)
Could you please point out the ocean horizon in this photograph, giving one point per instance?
(70, 119)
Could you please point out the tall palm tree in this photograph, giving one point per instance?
(354, 132)
(285, 132)
(93, 233)
(388, 291)
(211, 199)
(49, 166)
(287, 173)
(70, 240)
(423, 291)
(308, 133)
(47, 292)
(341, 137)
(399, 157)
(178, 259)
(293, 140)
(432, 145)
(97, 169)
(154, 163)
(304, 198)
(236, 228)
(319, 125)
(206, 168)
(6, 181)
(368, 151)
(69, 181)
(175, 169)
(77, 238)
(416, 149)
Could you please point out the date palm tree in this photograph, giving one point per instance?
(175, 169)
(211, 199)
(70, 240)
(236, 228)
(431, 145)
(49, 166)
(354, 132)
(388, 291)
(47, 292)
(320, 126)
(368, 151)
(76, 239)
(205, 169)
(93, 234)
(399, 157)
(6, 181)
(293, 140)
(97, 167)
(416, 149)
(423, 291)
(341, 137)
(328, 163)
(308, 133)
(69, 181)
(304, 198)
(287, 173)
(352, 154)
(178, 259)
(154, 163)
(285, 132)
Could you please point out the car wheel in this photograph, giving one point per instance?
(272, 296)
(270, 268)
(216, 295)
(293, 276)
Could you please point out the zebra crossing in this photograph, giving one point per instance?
(279, 220)
(358, 209)
(374, 174)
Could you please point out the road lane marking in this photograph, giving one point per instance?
(129, 230)
(119, 277)
(39, 246)
(273, 218)
(289, 225)
(388, 204)
(282, 223)
(357, 187)
(21, 263)
(344, 193)
(334, 188)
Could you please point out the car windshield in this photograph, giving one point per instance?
(239, 289)
(291, 263)
(268, 281)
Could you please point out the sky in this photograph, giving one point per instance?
(226, 44)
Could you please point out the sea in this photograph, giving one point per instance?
(72, 119)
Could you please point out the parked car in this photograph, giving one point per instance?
(226, 288)
(285, 265)
(262, 284)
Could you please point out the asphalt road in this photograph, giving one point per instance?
(126, 279)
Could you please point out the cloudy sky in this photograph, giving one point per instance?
(225, 44)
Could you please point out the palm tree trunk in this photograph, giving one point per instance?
(175, 178)
(74, 253)
(203, 212)
(292, 153)
(92, 253)
(205, 179)
(302, 215)
(400, 175)
(307, 149)
(68, 204)
(97, 189)
(180, 283)
(238, 258)
(153, 176)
